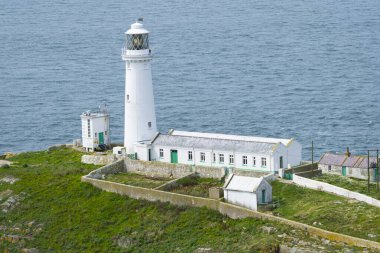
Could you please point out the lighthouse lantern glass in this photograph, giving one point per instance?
(137, 41)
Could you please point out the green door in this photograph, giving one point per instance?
(101, 138)
(173, 156)
(263, 196)
(343, 170)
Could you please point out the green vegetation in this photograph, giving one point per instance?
(327, 211)
(58, 213)
(195, 186)
(352, 184)
(137, 180)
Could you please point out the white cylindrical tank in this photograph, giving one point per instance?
(140, 116)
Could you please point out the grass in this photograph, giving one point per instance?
(137, 180)
(327, 211)
(63, 214)
(352, 184)
(196, 186)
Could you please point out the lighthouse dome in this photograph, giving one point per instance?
(137, 28)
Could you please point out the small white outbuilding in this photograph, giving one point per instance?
(95, 129)
(247, 191)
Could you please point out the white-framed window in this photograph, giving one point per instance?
(105, 132)
(128, 98)
(231, 159)
(263, 162)
(245, 160)
(203, 157)
(96, 135)
(161, 153)
(221, 158)
(213, 157)
(149, 124)
(329, 168)
(190, 155)
(254, 161)
(88, 128)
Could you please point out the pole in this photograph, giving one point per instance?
(377, 170)
(312, 152)
(368, 170)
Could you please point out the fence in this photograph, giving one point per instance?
(316, 185)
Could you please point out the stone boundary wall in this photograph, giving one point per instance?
(310, 174)
(232, 211)
(161, 169)
(173, 183)
(249, 173)
(316, 185)
(98, 159)
(112, 168)
(302, 168)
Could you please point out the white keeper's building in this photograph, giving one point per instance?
(142, 140)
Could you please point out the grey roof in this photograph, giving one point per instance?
(343, 160)
(214, 144)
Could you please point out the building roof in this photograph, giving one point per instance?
(354, 161)
(214, 144)
(231, 137)
(242, 183)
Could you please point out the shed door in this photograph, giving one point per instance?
(173, 156)
(281, 162)
(343, 170)
(101, 138)
(263, 196)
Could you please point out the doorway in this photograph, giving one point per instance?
(173, 156)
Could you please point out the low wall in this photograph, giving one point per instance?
(112, 168)
(316, 185)
(249, 173)
(161, 169)
(98, 159)
(302, 168)
(310, 174)
(230, 210)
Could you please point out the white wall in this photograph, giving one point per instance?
(316, 185)
(245, 199)
(98, 124)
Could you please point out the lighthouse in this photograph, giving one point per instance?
(140, 117)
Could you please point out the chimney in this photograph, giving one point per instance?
(348, 154)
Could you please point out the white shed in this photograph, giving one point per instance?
(95, 129)
(247, 191)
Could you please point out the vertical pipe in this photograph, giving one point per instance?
(368, 169)
(312, 152)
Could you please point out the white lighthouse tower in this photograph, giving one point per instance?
(140, 116)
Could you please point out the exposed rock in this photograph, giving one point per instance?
(98, 159)
(203, 250)
(32, 250)
(124, 242)
(12, 202)
(325, 241)
(282, 236)
(4, 163)
(5, 194)
(55, 147)
(30, 223)
(9, 180)
(268, 230)
(9, 155)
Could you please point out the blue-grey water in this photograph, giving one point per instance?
(291, 68)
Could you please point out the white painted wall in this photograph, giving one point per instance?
(99, 123)
(272, 159)
(321, 186)
(245, 199)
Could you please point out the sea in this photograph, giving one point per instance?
(291, 68)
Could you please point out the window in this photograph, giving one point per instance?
(213, 158)
(127, 97)
(203, 157)
(231, 159)
(149, 124)
(161, 153)
(245, 160)
(96, 135)
(88, 128)
(105, 133)
(221, 158)
(254, 161)
(190, 155)
(329, 168)
(263, 162)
